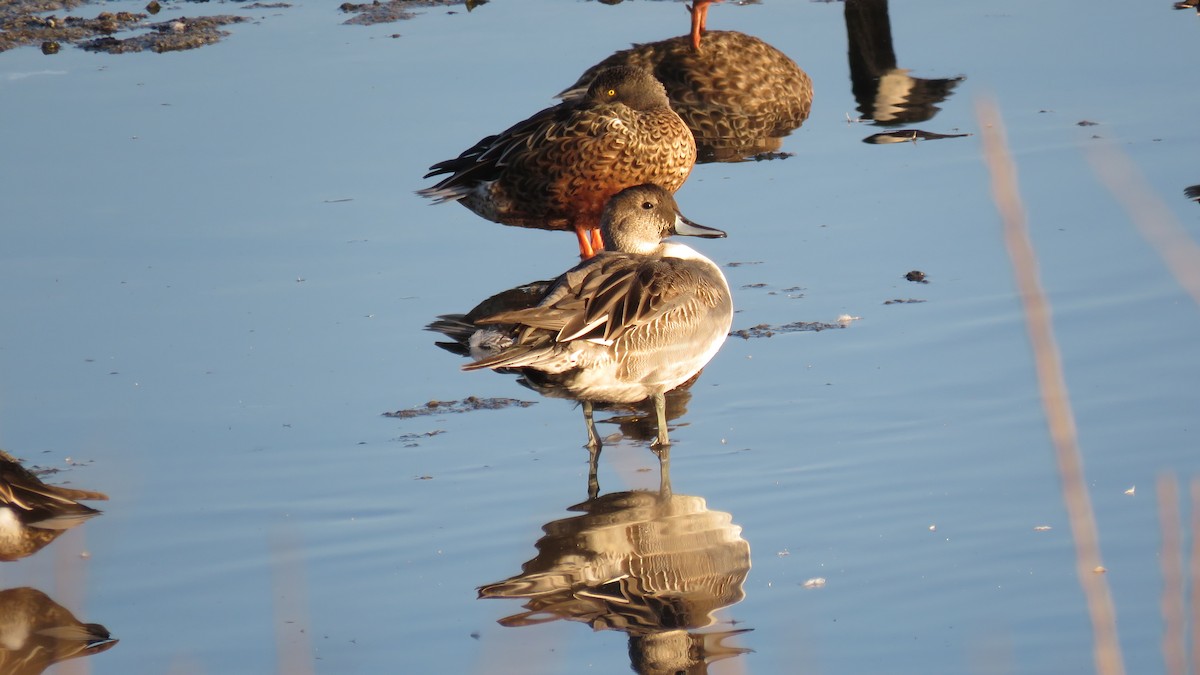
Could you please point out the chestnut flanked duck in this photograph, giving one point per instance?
(558, 168)
(739, 95)
(631, 323)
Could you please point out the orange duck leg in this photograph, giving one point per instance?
(586, 235)
(699, 10)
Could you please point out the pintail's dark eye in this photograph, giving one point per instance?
(647, 205)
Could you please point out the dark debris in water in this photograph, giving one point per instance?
(18, 8)
(903, 301)
(388, 11)
(370, 13)
(793, 292)
(768, 156)
(1192, 192)
(466, 405)
(917, 276)
(29, 29)
(410, 440)
(766, 330)
(168, 36)
(20, 25)
(906, 135)
(44, 471)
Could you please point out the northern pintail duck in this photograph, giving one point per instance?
(558, 168)
(739, 95)
(631, 323)
(33, 514)
(478, 341)
(470, 338)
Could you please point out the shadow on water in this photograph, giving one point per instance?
(652, 564)
(35, 631)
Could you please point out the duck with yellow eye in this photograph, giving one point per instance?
(558, 168)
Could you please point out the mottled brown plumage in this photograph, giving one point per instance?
(33, 514)
(739, 95)
(557, 169)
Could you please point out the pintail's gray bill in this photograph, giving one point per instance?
(687, 228)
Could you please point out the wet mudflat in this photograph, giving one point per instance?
(216, 277)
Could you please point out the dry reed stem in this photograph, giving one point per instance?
(1151, 215)
(1055, 398)
(1194, 568)
(1171, 558)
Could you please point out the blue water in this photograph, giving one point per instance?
(215, 274)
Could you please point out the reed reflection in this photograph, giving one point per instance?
(36, 633)
(886, 94)
(32, 513)
(653, 564)
(739, 95)
(630, 324)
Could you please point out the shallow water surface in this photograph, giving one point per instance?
(215, 276)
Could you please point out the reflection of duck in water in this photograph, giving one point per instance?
(629, 324)
(886, 93)
(739, 95)
(36, 632)
(655, 565)
(33, 514)
(557, 169)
